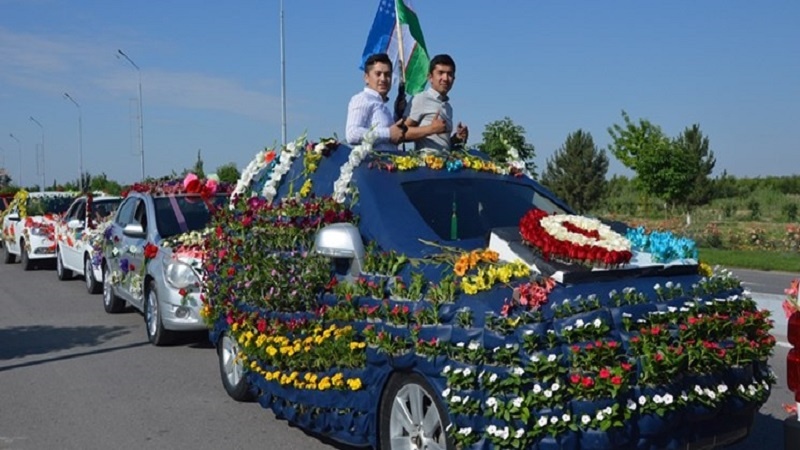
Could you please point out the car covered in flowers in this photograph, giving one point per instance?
(29, 226)
(79, 238)
(441, 301)
(153, 252)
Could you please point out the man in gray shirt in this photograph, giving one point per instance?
(430, 116)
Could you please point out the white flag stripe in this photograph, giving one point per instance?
(408, 47)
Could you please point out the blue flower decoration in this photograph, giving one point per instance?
(123, 265)
(454, 165)
(663, 245)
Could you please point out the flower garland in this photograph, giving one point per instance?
(341, 187)
(191, 184)
(277, 165)
(663, 245)
(574, 239)
(451, 163)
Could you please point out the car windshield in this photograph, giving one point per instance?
(56, 204)
(104, 208)
(467, 208)
(180, 213)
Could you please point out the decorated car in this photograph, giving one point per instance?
(79, 239)
(29, 226)
(441, 301)
(153, 253)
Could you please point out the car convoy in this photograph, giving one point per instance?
(403, 300)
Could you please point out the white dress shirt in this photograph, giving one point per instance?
(366, 110)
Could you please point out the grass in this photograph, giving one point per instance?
(751, 259)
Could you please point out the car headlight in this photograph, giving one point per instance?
(36, 231)
(180, 275)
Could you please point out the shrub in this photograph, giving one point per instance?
(728, 208)
(790, 211)
(755, 209)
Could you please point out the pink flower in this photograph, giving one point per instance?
(191, 183)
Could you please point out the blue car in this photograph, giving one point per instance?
(441, 301)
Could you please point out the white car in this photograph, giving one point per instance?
(79, 239)
(29, 226)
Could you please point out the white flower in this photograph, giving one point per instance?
(518, 371)
(446, 392)
(520, 432)
(642, 400)
(600, 416)
(554, 420)
(460, 345)
(455, 399)
(631, 405)
(537, 388)
(504, 433)
(535, 358)
(466, 431)
(473, 345)
(555, 387)
(585, 419)
(446, 369)
(548, 393)
(597, 322)
(722, 388)
(491, 429)
(517, 402)
(579, 323)
(657, 399)
(565, 417)
(551, 358)
(668, 399)
(493, 378)
(542, 421)
(467, 372)
(657, 286)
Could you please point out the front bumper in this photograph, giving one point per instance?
(181, 313)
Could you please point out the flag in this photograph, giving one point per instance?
(383, 38)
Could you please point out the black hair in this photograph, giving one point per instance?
(441, 60)
(377, 58)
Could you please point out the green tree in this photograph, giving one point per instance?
(228, 173)
(577, 172)
(103, 184)
(701, 162)
(197, 169)
(662, 169)
(499, 135)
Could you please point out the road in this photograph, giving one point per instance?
(74, 377)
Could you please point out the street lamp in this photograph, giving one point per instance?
(141, 112)
(20, 158)
(80, 140)
(41, 188)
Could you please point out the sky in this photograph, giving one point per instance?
(211, 77)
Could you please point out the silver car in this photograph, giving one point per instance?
(152, 260)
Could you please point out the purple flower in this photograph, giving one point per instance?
(123, 265)
(107, 233)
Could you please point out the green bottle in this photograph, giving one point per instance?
(454, 223)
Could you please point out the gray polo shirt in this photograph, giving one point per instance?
(423, 109)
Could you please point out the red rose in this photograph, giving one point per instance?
(150, 251)
(616, 380)
(182, 292)
(604, 373)
(587, 382)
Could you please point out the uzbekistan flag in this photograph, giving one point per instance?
(383, 38)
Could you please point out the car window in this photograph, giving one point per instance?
(467, 208)
(140, 214)
(104, 208)
(37, 206)
(179, 214)
(74, 210)
(126, 211)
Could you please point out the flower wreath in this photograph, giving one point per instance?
(574, 239)
(191, 184)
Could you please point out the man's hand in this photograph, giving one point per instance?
(462, 133)
(437, 125)
(397, 132)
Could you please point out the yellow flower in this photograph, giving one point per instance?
(306, 189)
(235, 326)
(271, 351)
(704, 269)
(354, 384)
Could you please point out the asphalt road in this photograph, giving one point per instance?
(74, 377)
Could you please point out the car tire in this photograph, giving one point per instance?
(231, 370)
(111, 302)
(92, 285)
(27, 264)
(62, 273)
(8, 257)
(156, 333)
(409, 394)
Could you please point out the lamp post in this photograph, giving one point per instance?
(41, 188)
(80, 141)
(20, 157)
(141, 112)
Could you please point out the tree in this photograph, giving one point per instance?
(103, 184)
(197, 169)
(228, 173)
(577, 172)
(662, 168)
(702, 161)
(499, 135)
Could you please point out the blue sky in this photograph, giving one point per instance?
(211, 76)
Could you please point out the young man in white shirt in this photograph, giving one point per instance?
(369, 109)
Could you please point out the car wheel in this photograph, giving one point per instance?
(111, 302)
(8, 257)
(27, 264)
(232, 370)
(62, 273)
(156, 332)
(88, 274)
(411, 415)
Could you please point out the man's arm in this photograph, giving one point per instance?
(359, 122)
(415, 131)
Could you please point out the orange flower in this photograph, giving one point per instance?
(461, 267)
(269, 157)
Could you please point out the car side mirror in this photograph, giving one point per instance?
(134, 230)
(341, 242)
(75, 224)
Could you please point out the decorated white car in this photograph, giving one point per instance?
(79, 239)
(29, 226)
(153, 253)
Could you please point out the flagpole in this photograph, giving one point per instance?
(399, 31)
(283, 83)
